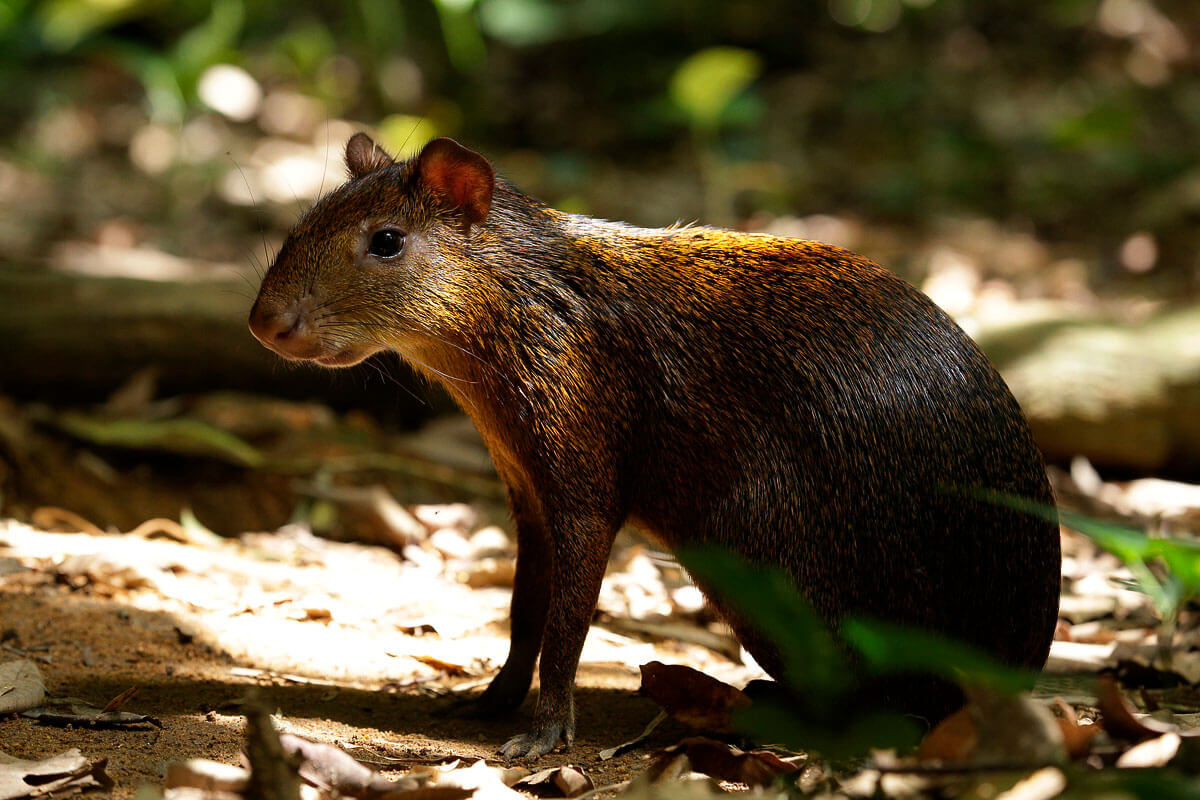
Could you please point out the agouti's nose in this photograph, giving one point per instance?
(280, 330)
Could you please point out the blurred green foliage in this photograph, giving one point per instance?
(825, 672)
(1075, 118)
(1164, 568)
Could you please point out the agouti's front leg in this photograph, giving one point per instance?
(580, 555)
(530, 599)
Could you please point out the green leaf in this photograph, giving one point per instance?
(707, 81)
(888, 648)
(460, 31)
(852, 738)
(207, 43)
(1182, 557)
(815, 667)
(404, 135)
(66, 23)
(182, 436)
(1131, 545)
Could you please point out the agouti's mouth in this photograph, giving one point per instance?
(347, 357)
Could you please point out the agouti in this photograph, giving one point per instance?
(785, 399)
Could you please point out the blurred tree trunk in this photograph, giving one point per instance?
(76, 338)
(1123, 395)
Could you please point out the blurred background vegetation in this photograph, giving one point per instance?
(1033, 166)
(1074, 124)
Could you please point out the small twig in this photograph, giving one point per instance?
(49, 517)
(41, 659)
(273, 772)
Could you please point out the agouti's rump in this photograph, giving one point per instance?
(785, 399)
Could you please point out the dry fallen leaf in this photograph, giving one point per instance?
(120, 700)
(69, 712)
(625, 747)
(1013, 729)
(995, 728)
(480, 781)
(453, 670)
(1117, 717)
(490, 572)
(728, 763)
(564, 781)
(209, 776)
(691, 697)
(332, 769)
(1076, 738)
(61, 775)
(451, 515)
(21, 686)
(952, 740)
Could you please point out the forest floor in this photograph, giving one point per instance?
(342, 642)
(366, 646)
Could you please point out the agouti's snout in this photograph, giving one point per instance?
(293, 331)
(279, 329)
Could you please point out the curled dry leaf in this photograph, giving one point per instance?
(120, 700)
(61, 775)
(1117, 717)
(952, 740)
(331, 770)
(691, 697)
(728, 763)
(995, 728)
(478, 781)
(670, 769)
(564, 781)
(21, 686)
(52, 518)
(1013, 729)
(1076, 738)
(328, 767)
(625, 747)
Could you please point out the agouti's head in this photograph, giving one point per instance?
(378, 263)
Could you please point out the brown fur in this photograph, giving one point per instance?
(786, 399)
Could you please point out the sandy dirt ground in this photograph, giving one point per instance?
(194, 627)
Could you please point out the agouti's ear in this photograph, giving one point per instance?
(363, 156)
(462, 179)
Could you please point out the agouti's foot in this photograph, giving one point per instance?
(540, 741)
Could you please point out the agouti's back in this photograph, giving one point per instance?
(806, 408)
(789, 400)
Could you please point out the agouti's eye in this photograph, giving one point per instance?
(386, 243)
